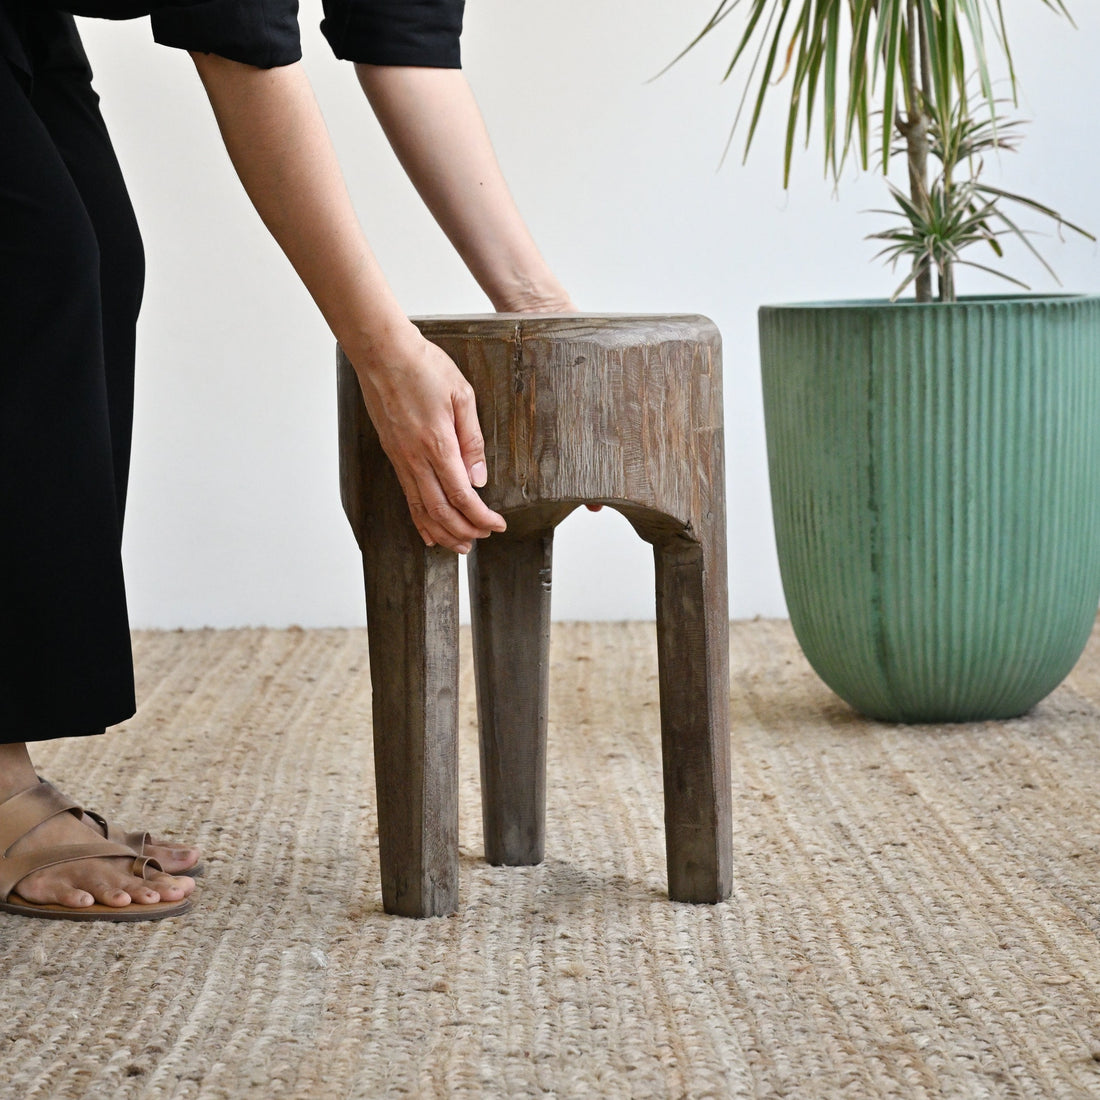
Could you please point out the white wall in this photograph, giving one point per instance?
(234, 515)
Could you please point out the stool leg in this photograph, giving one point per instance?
(510, 602)
(412, 624)
(693, 660)
(412, 627)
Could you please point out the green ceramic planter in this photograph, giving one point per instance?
(935, 474)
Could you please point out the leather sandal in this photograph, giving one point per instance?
(25, 811)
(135, 841)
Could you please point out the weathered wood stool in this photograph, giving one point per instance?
(624, 411)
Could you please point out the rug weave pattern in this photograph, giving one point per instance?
(916, 911)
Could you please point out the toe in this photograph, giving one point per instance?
(44, 888)
(74, 898)
(174, 859)
(169, 888)
(110, 893)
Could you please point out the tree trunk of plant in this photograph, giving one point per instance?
(947, 282)
(915, 132)
(916, 140)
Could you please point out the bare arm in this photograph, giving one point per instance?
(435, 127)
(421, 405)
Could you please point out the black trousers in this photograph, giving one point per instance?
(71, 278)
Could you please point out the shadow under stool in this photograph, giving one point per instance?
(620, 410)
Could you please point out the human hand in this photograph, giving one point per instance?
(423, 410)
(551, 298)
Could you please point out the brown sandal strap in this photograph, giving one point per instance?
(13, 869)
(135, 840)
(25, 811)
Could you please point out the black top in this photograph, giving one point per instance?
(41, 33)
(395, 32)
(35, 35)
(263, 33)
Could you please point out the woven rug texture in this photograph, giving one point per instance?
(915, 911)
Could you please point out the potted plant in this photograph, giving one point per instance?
(934, 461)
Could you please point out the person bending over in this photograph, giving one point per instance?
(72, 267)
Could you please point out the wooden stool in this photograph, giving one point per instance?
(624, 411)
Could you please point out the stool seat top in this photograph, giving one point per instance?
(619, 324)
(588, 318)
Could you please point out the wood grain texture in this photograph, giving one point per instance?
(510, 581)
(620, 410)
(412, 627)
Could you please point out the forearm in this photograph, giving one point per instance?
(418, 401)
(435, 127)
(280, 147)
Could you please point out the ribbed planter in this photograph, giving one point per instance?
(935, 474)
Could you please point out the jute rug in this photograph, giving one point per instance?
(916, 910)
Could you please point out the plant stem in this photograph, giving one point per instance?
(946, 115)
(947, 282)
(915, 131)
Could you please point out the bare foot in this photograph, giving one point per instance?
(109, 880)
(83, 882)
(174, 859)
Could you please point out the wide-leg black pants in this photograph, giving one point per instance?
(71, 278)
